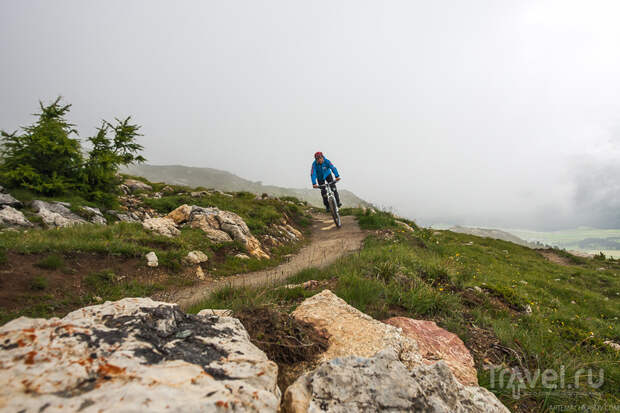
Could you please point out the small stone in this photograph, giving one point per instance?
(523, 282)
(242, 257)
(196, 257)
(573, 302)
(613, 345)
(151, 259)
(528, 309)
(477, 289)
(200, 273)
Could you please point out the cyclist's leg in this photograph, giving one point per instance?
(324, 194)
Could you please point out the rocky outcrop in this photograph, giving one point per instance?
(12, 217)
(162, 226)
(219, 226)
(353, 333)
(435, 343)
(133, 355)
(56, 214)
(382, 383)
(135, 185)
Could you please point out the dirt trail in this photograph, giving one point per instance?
(553, 257)
(327, 244)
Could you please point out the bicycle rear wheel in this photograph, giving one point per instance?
(334, 210)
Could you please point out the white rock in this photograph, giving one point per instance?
(151, 259)
(613, 345)
(11, 217)
(163, 226)
(133, 355)
(382, 383)
(56, 214)
(242, 256)
(95, 215)
(196, 257)
(7, 199)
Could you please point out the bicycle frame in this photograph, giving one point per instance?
(331, 201)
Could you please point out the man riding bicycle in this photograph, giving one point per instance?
(322, 170)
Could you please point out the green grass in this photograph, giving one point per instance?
(105, 284)
(430, 275)
(39, 283)
(51, 262)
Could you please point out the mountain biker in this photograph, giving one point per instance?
(322, 170)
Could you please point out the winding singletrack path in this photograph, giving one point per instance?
(327, 243)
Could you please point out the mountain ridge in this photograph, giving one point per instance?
(227, 181)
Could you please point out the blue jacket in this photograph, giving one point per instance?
(322, 171)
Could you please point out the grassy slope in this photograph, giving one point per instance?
(426, 274)
(131, 240)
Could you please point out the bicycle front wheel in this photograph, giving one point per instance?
(334, 211)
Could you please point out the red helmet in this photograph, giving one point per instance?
(318, 155)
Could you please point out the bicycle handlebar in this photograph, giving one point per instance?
(324, 185)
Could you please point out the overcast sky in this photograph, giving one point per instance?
(498, 113)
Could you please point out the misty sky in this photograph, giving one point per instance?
(498, 113)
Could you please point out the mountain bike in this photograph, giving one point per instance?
(331, 201)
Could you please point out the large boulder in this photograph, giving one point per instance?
(435, 343)
(135, 185)
(222, 226)
(236, 227)
(353, 333)
(205, 223)
(56, 214)
(133, 355)
(382, 383)
(11, 217)
(162, 226)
